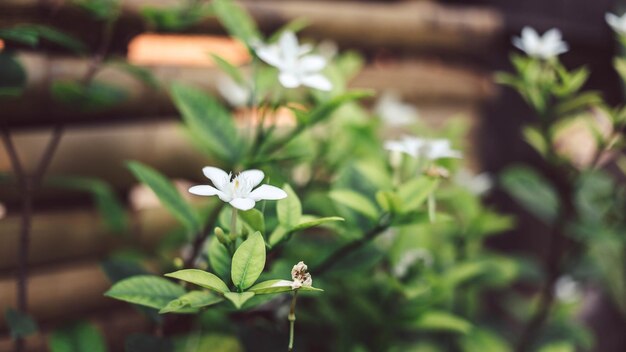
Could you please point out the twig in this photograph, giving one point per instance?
(202, 236)
(340, 253)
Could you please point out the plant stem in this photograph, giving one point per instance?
(202, 236)
(292, 319)
(233, 225)
(340, 253)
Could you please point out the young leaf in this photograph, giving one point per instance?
(167, 194)
(238, 299)
(236, 21)
(219, 258)
(79, 337)
(248, 261)
(442, 321)
(20, 324)
(254, 219)
(415, 192)
(146, 290)
(289, 210)
(311, 223)
(200, 278)
(356, 202)
(207, 118)
(191, 302)
(278, 286)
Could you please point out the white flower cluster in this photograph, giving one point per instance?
(300, 276)
(546, 46)
(430, 149)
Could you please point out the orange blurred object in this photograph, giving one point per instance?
(185, 50)
(1, 44)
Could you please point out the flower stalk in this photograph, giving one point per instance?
(292, 319)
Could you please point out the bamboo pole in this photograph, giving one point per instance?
(419, 81)
(405, 24)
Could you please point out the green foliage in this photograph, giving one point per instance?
(356, 202)
(236, 21)
(31, 34)
(104, 10)
(238, 298)
(210, 121)
(442, 321)
(12, 76)
(200, 278)
(20, 324)
(177, 18)
(191, 302)
(147, 290)
(278, 286)
(78, 337)
(248, 262)
(94, 96)
(219, 259)
(289, 210)
(167, 194)
(531, 191)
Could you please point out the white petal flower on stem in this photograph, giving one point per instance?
(239, 191)
(296, 66)
(300, 276)
(431, 149)
(547, 46)
(617, 23)
(394, 112)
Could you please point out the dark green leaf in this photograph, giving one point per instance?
(95, 96)
(167, 194)
(191, 302)
(209, 120)
(12, 76)
(531, 191)
(20, 324)
(79, 337)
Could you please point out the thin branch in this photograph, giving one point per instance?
(202, 236)
(12, 152)
(46, 158)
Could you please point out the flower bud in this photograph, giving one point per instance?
(300, 276)
(219, 233)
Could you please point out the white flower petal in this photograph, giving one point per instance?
(254, 176)
(218, 176)
(204, 190)
(317, 81)
(288, 80)
(312, 63)
(288, 43)
(270, 54)
(242, 203)
(267, 192)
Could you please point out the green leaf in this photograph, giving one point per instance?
(442, 321)
(79, 337)
(389, 201)
(536, 140)
(146, 290)
(311, 223)
(289, 210)
(200, 278)
(209, 120)
(147, 343)
(620, 67)
(228, 68)
(20, 324)
(531, 191)
(325, 110)
(167, 194)
(175, 19)
(55, 36)
(236, 21)
(254, 219)
(248, 261)
(112, 210)
(142, 74)
(278, 286)
(559, 346)
(96, 96)
(356, 202)
(415, 192)
(238, 299)
(219, 258)
(100, 9)
(278, 234)
(20, 34)
(12, 76)
(579, 102)
(191, 302)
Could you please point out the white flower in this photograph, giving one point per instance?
(477, 184)
(300, 276)
(238, 190)
(430, 149)
(617, 23)
(236, 95)
(567, 289)
(547, 46)
(296, 66)
(394, 112)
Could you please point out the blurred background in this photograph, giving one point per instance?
(437, 55)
